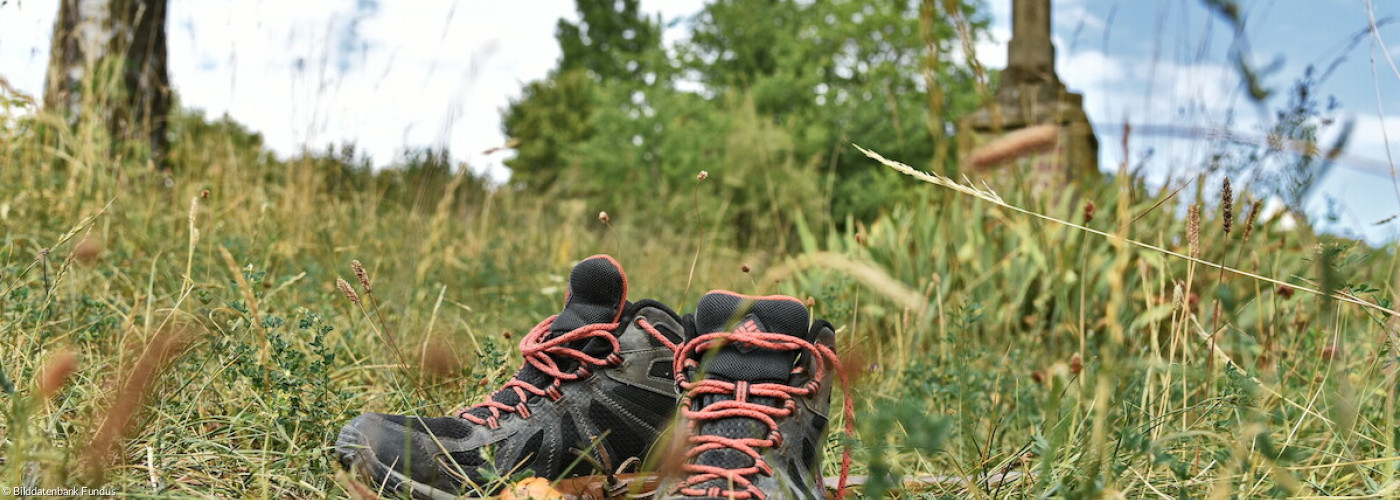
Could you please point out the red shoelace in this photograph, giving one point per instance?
(687, 358)
(543, 354)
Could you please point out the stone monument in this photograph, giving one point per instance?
(1031, 94)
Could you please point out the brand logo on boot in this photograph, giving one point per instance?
(749, 326)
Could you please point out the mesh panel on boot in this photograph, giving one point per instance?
(719, 312)
(734, 427)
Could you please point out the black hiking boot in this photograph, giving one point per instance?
(755, 378)
(596, 381)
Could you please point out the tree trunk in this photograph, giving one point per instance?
(67, 60)
(139, 34)
(116, 51)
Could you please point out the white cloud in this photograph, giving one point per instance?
(1079, 16)
(991, 51)
(428, 73)
(1370, 137)
(24, 46)
(1088, 69)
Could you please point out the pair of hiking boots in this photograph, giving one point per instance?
(601, 382)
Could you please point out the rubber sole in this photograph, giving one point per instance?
(352, 452)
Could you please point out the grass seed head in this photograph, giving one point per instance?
(603, 216)
(1227, 205)
(1249, 220)
(349, 292)
(1193, 230)
(362, 275)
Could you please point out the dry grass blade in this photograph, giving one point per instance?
(438, 360)
(134, 388)
(869, 275)
(81, 226)
(10, 89)
(985, 194)
(194, 238)
(1014, 145)
(55, 373)
(243, 286)
(355, 488)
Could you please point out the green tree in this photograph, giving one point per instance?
(610, 51)
(549, 120)
(766, 95)
(612, 41)
(837, 72)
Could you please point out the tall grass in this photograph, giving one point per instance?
(240, 252)
(1129, 354)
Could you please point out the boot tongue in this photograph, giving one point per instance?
(597, 293)
(726, 312)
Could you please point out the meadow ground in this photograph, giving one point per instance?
(212, 355)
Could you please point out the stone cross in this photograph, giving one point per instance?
(1030, 55)
(1032, 94)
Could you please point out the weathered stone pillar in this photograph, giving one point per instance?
(1030, 93)
(1030, 54)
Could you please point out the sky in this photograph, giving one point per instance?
(387, 75)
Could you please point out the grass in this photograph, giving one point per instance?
(1122, 367)
(1117, 351)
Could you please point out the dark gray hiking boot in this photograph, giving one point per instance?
(596, 381)
(756, 383)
